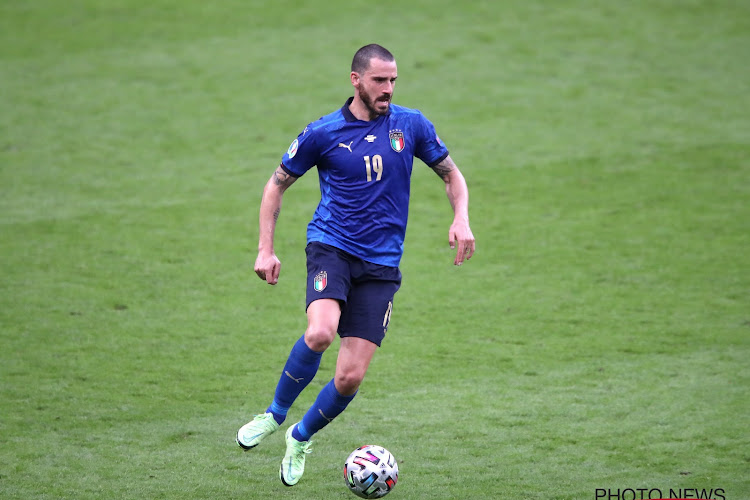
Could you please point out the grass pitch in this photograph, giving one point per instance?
(599, 339)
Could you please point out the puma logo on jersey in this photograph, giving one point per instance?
(349, 147)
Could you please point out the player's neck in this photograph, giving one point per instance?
(360, 111)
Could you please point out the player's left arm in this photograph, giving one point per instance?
(459, 235)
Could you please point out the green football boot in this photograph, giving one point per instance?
(293, 465)
(255, 431)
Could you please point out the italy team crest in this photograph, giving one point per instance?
(397, 140)
(320, 281)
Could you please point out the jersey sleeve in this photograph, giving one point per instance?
(303, 153)
(430, 149)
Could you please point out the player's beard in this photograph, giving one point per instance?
(371, 102)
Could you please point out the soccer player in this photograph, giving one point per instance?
(364, 154)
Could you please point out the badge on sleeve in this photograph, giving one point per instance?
(293, 148)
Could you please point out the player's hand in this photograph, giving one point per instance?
(268, 267)
(461, 237)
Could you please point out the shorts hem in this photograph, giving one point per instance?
(376, 342)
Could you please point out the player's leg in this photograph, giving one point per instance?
(362, 326)
(322, 323)
(299, 370)
(354, 358)
(324, 296)
(353, 361)
(304, 359)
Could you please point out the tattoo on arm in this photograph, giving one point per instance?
(444, 167)
(281, 178)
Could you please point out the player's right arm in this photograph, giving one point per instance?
(267, 265)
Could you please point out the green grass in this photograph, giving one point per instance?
(599, 338)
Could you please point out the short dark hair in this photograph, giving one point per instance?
(362, 57)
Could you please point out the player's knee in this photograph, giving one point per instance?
(348, 381)
(318, 338)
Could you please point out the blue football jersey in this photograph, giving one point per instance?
(364, 168)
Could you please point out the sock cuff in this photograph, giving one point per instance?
(304, 353)
(278, 409)
(300, 433)
(336, 397)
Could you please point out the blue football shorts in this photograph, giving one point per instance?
(364, 290)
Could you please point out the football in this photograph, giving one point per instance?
(370, 471)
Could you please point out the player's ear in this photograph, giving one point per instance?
(354, 77)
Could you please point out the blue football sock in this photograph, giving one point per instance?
(328, 405)
(299, 370)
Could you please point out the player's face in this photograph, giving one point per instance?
(375, 86)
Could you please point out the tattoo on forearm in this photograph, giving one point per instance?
(276, 214)
(444, 168)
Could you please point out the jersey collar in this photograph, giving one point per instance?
(348, 116)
